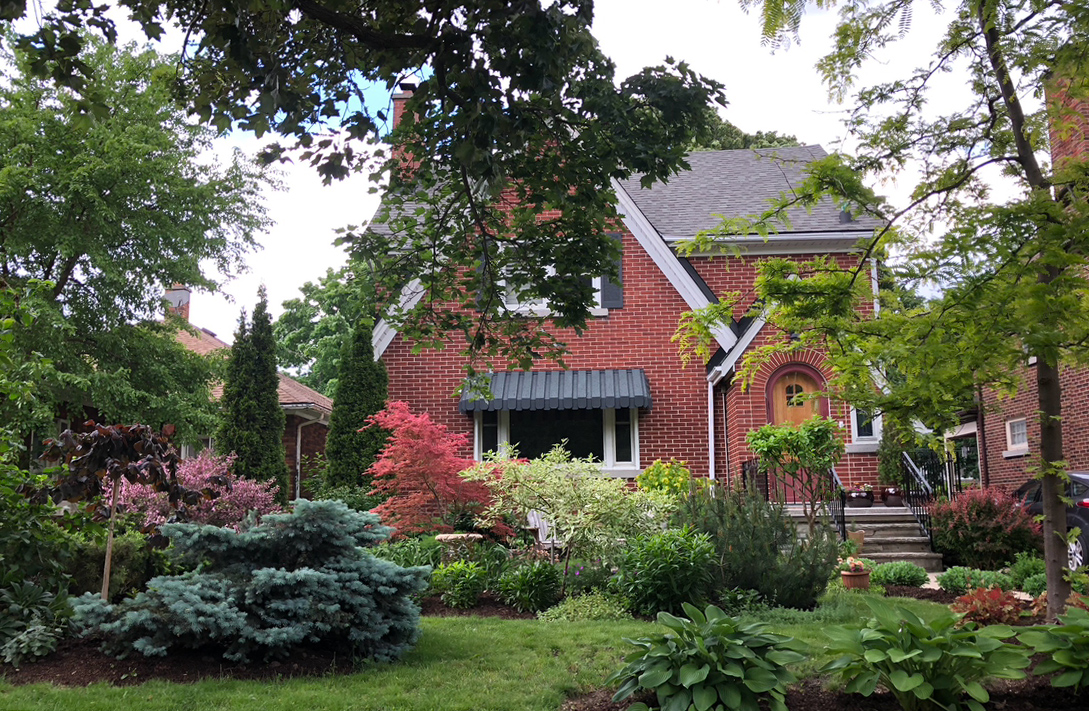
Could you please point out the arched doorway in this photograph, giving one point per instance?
(790, 395)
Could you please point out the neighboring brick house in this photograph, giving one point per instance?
(307, 411)
(1009, 428)
(626, 398)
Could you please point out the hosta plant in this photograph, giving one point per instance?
(709, 662)
(926, 666)
(1068, 645)
(990, 606)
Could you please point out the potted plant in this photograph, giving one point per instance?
(854, 574)
(859, 496)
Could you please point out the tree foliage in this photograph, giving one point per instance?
(100, 212)
(352, 446)
(314, 330)
(805, 455)
(1008, 273)
(511, 97)
(721, 135)
(419, 472)
(252, 424)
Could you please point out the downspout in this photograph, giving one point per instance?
(873, 282)
(298, 455)
(711, 429)
(726, 439)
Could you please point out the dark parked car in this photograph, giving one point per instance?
(1077, 512)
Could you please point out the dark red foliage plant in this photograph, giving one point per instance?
(983, 528)
(991, 606)
(419, 470)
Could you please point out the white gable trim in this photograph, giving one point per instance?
(666, 260)
(782, 243)
(734, 354)
(384, 332)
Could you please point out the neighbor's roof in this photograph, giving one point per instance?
(291, 392)
(736, 183)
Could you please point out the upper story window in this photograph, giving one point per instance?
(522, 302)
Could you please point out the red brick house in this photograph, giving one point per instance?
(307, 411)
(626, 398)
(1009, 428)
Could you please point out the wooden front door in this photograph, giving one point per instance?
(792, 399)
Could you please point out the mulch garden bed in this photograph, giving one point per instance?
(487, 606)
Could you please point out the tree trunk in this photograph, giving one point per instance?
(1049, 394)
(109, 542)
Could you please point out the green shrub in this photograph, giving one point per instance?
(737, 601)
(960, 580)
(595, 605)
(589, 576)
(37, 640)
(711, 661)
(134, 564)
(983, 528)
(1025, 566)
(297, 578)
(924, 666)
(900, 572)
(757, 547)
(532, 587)
(836, 589)
(670, 477)
(665, 570)
(459, 583)
(1035, 585)
(1068, 647)
(410, 552)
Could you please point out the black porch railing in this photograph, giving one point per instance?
(785, 491)
(928, 476)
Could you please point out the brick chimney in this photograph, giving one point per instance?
(177, 298)
(404, 93)
(1068, 125)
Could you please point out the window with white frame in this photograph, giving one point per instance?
(520, 302)
(188, 451)
(611, 436)
(1017, 435)
(865, 425)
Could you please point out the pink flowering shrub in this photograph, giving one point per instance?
(237, 496)
(983, 528)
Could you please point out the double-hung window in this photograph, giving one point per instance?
(609, 435)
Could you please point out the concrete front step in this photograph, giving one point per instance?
(894, 544)
(890, 530)
(930, 562)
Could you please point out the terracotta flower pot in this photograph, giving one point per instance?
(856, 581)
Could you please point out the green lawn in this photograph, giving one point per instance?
(460, 663)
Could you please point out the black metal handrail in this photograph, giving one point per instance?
(918, 494)
(771, 486)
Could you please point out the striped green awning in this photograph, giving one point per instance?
(560, 390)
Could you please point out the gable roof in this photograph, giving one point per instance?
(736, 183)
(291, 393)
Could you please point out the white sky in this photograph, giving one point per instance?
(778, 91)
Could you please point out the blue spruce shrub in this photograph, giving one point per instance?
(296, 579)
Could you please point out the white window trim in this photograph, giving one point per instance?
(1015, 450)
(540, 307)
(609, 466)
(860, 444)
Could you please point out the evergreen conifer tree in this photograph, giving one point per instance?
(252, 424)
(360, 393)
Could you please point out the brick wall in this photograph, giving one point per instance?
(636, 336)
(1010, 472)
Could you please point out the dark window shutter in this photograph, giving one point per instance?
(612, 294)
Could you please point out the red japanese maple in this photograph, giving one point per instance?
(419, 470)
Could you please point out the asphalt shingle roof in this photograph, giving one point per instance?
(735, 183)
